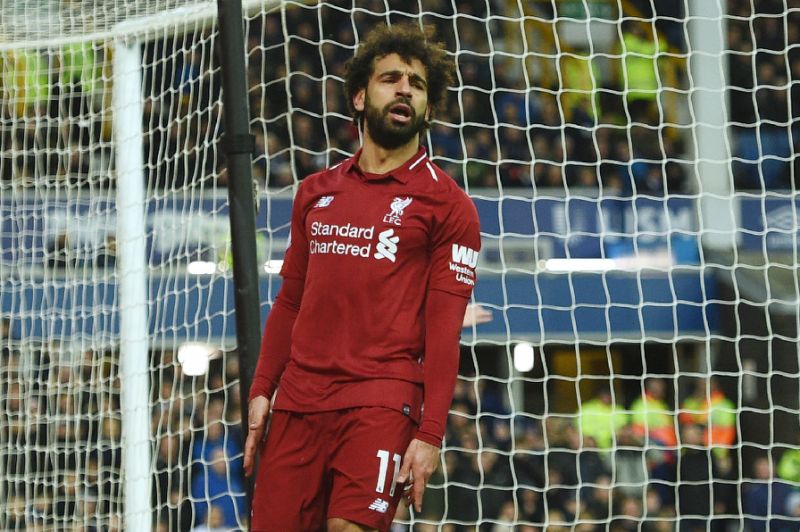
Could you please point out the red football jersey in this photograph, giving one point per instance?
(369, 248)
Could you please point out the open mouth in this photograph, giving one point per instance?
(401, 112)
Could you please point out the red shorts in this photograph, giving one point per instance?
(330, 464)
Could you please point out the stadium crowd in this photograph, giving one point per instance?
(675, 466)
(764, 93)
(582, 121)
(621, 461)
(511, 123)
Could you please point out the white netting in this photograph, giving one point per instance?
(596, 143)
(36, 21)
(63, 443)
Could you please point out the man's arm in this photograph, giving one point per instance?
(455, 242)
(276, 347)
(443, 317)
(276, 343)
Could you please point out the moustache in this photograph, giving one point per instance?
(401, 101)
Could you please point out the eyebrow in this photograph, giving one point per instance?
(411, 76)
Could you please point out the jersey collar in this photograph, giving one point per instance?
(402, 173)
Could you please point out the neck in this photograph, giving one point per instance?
(378, 160)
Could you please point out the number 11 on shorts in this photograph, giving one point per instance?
(384, 466)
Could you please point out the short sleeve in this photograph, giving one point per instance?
(295, 261)
(456, 242)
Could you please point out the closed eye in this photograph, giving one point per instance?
(414, 80)
(418, 82)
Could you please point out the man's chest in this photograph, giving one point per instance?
(371, 225)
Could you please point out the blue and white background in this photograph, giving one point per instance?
(518, 233)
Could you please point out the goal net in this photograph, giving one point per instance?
(633, 167)
(120, 389)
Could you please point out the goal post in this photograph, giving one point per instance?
(707, 31)
(133, 276)
(239, 146)
(75, 244)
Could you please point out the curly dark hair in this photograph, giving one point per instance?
(409, 42)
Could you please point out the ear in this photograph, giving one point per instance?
(358, 100)
(428, 113)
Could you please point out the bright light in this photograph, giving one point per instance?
(578, 265)
(273, 266)
(194, 357)
(659, 261)
(201, 267)
(523, 357)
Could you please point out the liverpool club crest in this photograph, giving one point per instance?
(397, 207)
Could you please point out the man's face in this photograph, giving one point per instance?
(395, 102)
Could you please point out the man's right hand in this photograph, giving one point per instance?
(257, 413)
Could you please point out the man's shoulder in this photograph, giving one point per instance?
(444, 185)
(325, 173)
(458, 198)
(442, 181)
(322, 180)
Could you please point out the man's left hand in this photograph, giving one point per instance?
(419, 463)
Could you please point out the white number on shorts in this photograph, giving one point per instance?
(384, 457)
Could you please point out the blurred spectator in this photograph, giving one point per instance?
(528, 459)
(480, 170)
(765, 500)
(789, 464)
(505, 518)
(639, 75)
(628, 516)
(654, 421)
(598, 498)
(600, 419)
(498, 482)
(215, 520)
(464, 476)
(531, 506)
(59, 252)
(742, 108)
(217, 465)
(651, 417)
(169, 478)
(765, 147)
(695, 501)
(217, 434)
(215, 485)
(630, 469)
(708, 408)
(106, 255)
(580, 79)
(26, 82)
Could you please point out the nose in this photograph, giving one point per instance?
(404, 86)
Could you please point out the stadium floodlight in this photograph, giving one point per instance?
(273, 266)
(194, 357)
(578, 265)
(662, 261)
(524, 357)
(202, 267)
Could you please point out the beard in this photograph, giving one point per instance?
(386, 132)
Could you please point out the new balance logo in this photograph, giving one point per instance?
(464, 255)
(379, 505)
(387, 245)
(324, 201)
